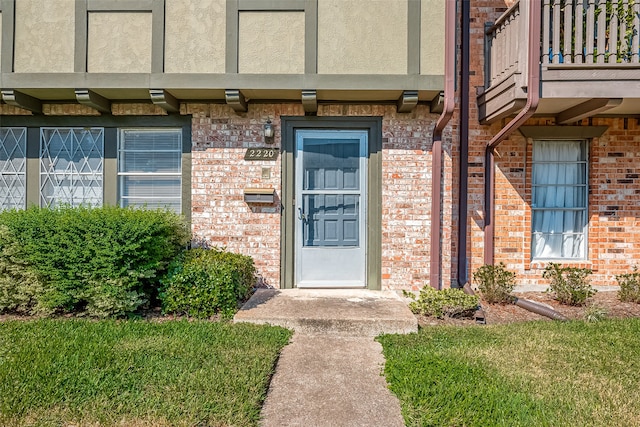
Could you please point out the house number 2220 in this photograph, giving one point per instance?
(261, 154)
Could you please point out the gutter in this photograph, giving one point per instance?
(461, 271)
(436, 149)
(533, 97)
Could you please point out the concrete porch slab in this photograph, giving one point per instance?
(351, 312)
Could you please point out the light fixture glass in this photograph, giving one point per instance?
(268, 130)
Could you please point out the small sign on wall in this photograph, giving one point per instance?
(261, 154)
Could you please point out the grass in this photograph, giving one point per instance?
(135, 373)
(529, 374)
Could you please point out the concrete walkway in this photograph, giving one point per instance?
(331, 372)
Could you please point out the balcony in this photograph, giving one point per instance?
(589, 60)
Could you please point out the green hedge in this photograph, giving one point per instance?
(206, 282)
(96, 261)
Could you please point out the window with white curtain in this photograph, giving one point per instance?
(559, 199)
(150, 168)
(71, 166)
(13, 149)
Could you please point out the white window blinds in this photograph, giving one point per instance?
(150, 169)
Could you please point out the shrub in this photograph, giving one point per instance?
(495, 283)
(569, 285)
(447, 302)
(19, 285)
(206, 282)
(629, 286)
(96, 261)
(595, 313)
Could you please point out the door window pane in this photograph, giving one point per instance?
(331, 165)
(331, 220)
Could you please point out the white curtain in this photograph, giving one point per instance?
(559, 199)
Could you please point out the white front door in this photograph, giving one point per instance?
(330, 201)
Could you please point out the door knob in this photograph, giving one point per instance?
(301, 215)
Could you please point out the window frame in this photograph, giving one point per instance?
(120, 162)
(111, 124)
(585, 144)
(23, 172)
(41, 173)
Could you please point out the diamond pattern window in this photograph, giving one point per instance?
(13, 149)
(71, 166)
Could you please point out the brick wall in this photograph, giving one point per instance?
(614, 204)
(71, 109)
(219, 175)
(220, 216)
(614, 186)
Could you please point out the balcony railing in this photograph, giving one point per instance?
(590, 31)
(505, 47)
(581, 40)
(573, 32)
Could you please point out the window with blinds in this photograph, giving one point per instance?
(150, 168)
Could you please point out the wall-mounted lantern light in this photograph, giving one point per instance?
(269, 131)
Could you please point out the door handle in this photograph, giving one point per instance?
(301, 215)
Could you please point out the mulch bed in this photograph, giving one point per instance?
(494, 313)
(509, 313)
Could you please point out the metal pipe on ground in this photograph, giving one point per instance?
(531, 306)
(540, 309)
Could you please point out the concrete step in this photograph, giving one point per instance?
(330, 311)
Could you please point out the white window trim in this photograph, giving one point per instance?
(585, 233)
(121, 132)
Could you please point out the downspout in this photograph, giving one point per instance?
(436, 149)
(533, 97)
(464, 144)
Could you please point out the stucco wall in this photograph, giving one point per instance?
(362, 37)
(432, 32)
(44, 36)
(119, 42)
(195, 36)
(271, 42)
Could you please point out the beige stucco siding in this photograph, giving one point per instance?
(271, 42)
(44, 36)
(362, 36)
(432, 37)
(195, 36)
(119, 42)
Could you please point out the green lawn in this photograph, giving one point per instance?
(134, 373)
(529, 374)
